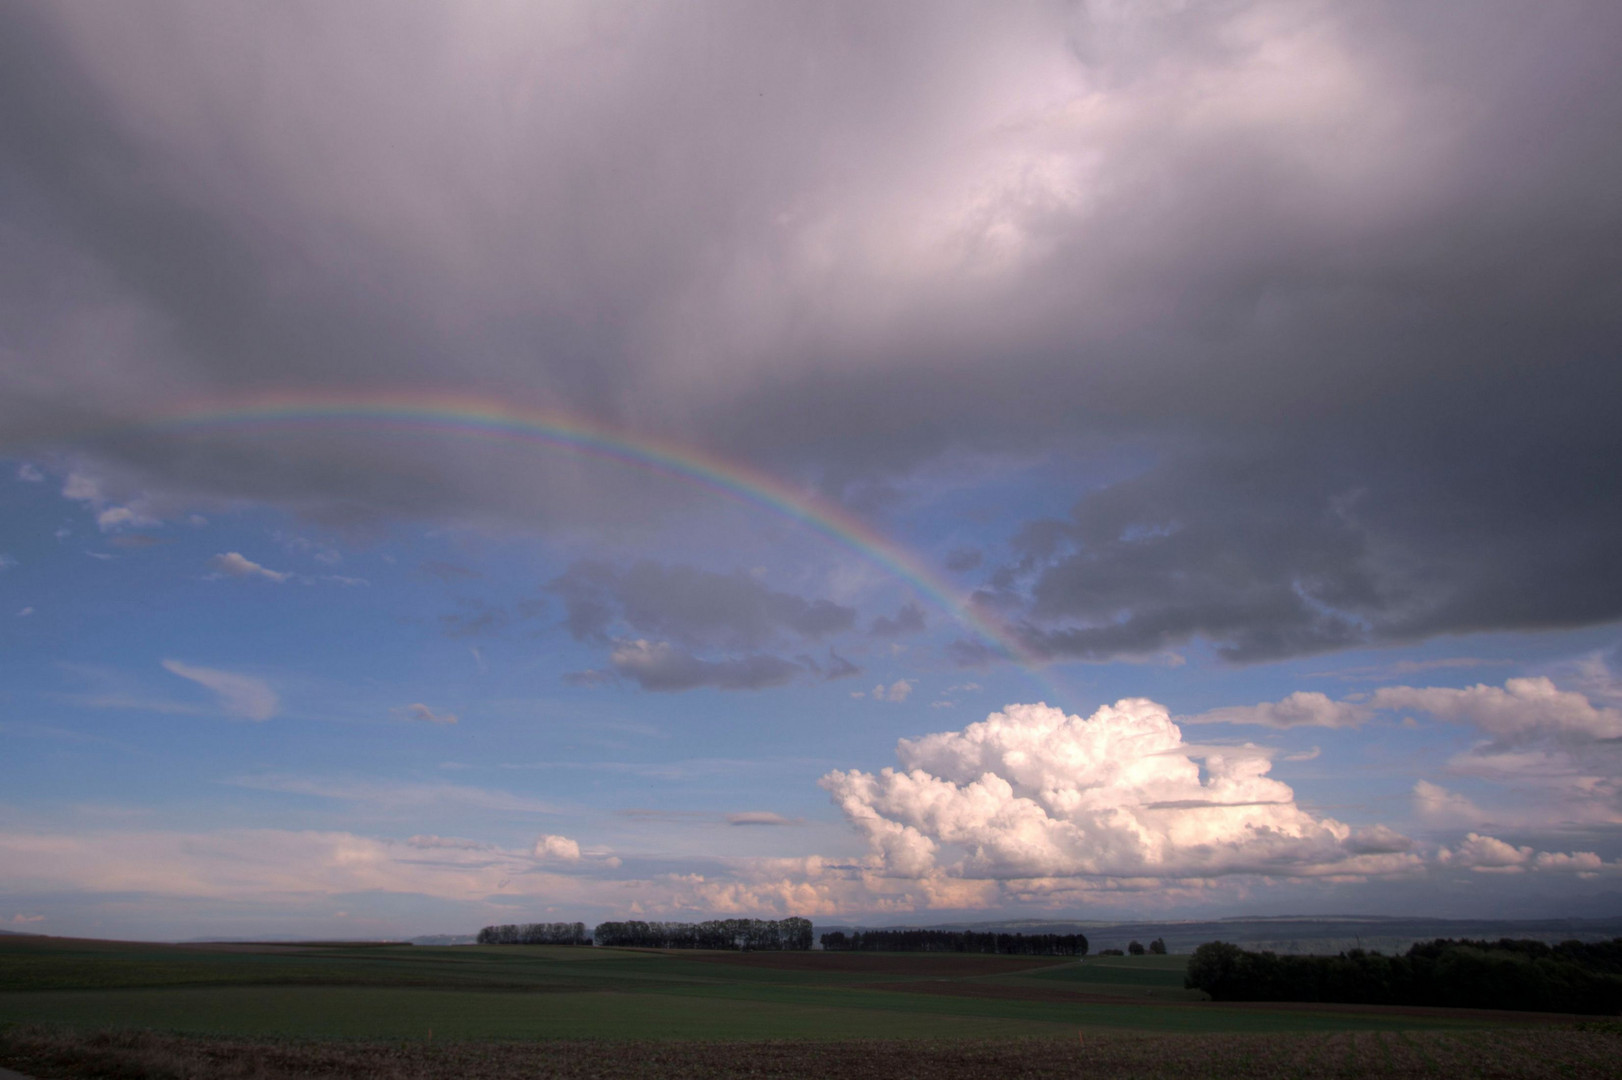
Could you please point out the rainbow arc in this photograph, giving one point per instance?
(470, 416)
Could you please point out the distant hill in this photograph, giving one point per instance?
(1305, 934)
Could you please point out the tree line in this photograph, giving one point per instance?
(1157, 947)
(955, 941)
(535, 933)
(743, 934)
(790, 933)
(1572, 976)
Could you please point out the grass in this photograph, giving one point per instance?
(192, 1000)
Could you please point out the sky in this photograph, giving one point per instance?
(883, 463)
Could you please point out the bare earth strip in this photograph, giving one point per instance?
(1512, 1054)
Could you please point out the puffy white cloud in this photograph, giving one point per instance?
(82, 487)
(418, 711)
(30, 473)
(1487, 855)
(1584, 863)
(1490, 855)
(897, 691)
(1030, 793)
(560, 848)
(240, 695)
(234, 564)
(1522, 708)
(1437, 805)
(1304, 708)
(1555, 751)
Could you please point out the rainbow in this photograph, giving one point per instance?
(486, 418)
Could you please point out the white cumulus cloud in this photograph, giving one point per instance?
(1490, 855)
(897, 691)
(560, 848)
(240, 695)
(1030, 793)
(1487, 855)
(1437, 805)
(82, 487)
(1304, 708)
(1522, 708)
(1583, 863)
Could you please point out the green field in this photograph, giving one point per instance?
(538, 992)
(88, 1010)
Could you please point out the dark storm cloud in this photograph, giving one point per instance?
(478, 618)
(1348, 276)
(697, 608)
(908, 620)
(1354, 537)
(654, 618)
(447, 571)
(662, 667)
(831, 668)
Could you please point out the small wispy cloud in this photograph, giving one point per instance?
(395, 795)
(234, 564)
(760, 817)
(240, 695)
(30, 473)
(1402, 668)
(1304, 708)
(418, 711)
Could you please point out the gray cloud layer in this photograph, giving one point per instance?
(656, 619)
(1349, 277)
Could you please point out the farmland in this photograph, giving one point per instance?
(506, 1011)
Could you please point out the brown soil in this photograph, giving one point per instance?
(1491, 1016)
(945, 965)
(1518, 1054)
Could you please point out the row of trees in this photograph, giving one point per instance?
(747, 934)
(1157, 947)
(955, 941)
(535, 933)
(1531, 975)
